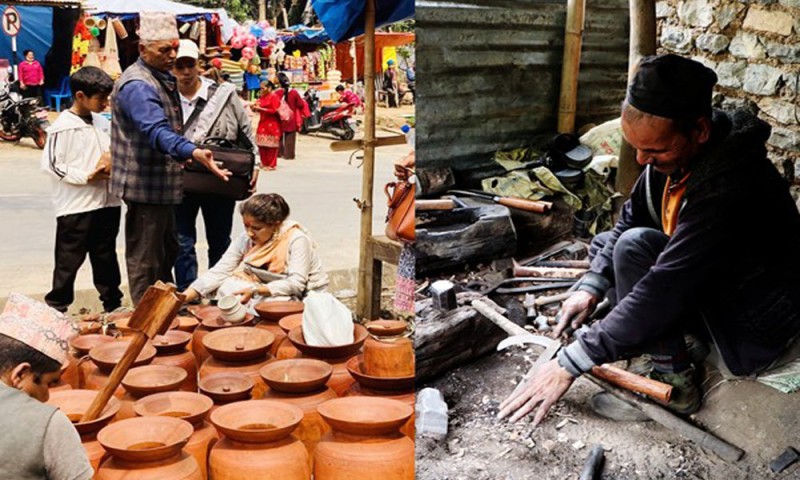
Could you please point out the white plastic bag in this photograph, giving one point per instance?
(326, 320)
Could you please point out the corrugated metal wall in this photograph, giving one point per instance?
(490, 74)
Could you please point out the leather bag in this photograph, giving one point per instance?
(198, 179)
(400, 218)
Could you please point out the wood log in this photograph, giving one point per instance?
(571, 64)
(554, 272)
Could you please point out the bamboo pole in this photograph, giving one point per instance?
(262, 10)
(354, 54)
(365, 264)
(642, 44)
(571, 65)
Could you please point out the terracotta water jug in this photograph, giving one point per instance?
(408, 397)
(271, 313)
(210, 318)
(74, 403)
(171, 350)
(388, 352)
(258, 442)
(147, 380)
(147, 448)
(365, 442)
(239, 349)
(192, 407)
(80, 347)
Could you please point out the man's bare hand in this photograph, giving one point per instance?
(575, 311)
(544, 389)
(99, 173)
(254, 181)
(190, 295)
(206, 158)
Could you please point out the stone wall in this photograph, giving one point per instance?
(754, 46)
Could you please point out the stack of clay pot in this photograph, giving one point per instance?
(386, 369)
(271, 313)
(258, 443)
(147, 448)
(104, 358)
(147, 380)
(301, 382)
(211, 319)
(74, 403)
(336, 356)
(238, 349)
(192, 407)
(79, 355)
(171, 350)
(365, 442)
(227, 387)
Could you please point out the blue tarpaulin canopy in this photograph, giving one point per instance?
(344, 19)
(36, 33)
(303, 34)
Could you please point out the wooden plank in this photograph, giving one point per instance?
(386, 250)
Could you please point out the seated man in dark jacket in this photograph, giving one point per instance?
(707, 243)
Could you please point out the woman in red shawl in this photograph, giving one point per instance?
(268, 134)
(300, 111)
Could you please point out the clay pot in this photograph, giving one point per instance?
(355, 366)
(408, 397)
(141, 381)
(250, 368)
(198, 349)
(329, 352)
(238, 344)
(107, 355)
(387, 328)
(273, 311)
(211, 318)
(277, 332)
(192, 407)
(187, 324)
(296, 376)
(365, 442)
(227, 387)
(82, 344)
(74, 403)
(95, 379)
(171, 350)
(148, 448)
(70, 375)
(289, 322)
(258, 442)
(388, 352)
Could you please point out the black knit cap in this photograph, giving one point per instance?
(672, 86)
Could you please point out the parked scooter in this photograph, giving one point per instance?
(336, 119)
(22, 117)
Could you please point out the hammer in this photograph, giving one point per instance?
(614, 375)
(155, 312)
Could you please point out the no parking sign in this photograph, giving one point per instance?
(12, 21)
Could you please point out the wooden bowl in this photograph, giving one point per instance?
(238, 344)
(145, 439)
(83, 343)
(174, 341)
(387, 328)
(141, 381)
(289, 322)
(339, 351)
(227, 387)
(74, 403)
(189, 406)
(274, 311)
(107, 355)
(365, 415)
(356, 368)
(256, 421)
(300, 375)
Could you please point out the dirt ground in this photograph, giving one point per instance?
(479, 447)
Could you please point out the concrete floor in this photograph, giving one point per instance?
(319, 186)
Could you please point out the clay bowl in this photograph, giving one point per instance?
(188, 406)
(274, 311)
(339, 351)
(355, 367)
(238, 344)
(145, 439)
(83, 343)
(174, 341)
(141, 381)
(387, 328)
(107, 355)
(187, 323)
(297, 375)
(256, 421)
(74, 403)
(289, 322)
(226, 387)
(365, 415)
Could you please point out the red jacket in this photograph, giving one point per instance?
(298, 106)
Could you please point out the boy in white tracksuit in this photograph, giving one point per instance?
(77, 159)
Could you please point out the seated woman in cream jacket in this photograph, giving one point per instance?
(274, 259)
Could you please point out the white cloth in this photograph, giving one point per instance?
(189, 104)
(326, 321)
(304, 271)
(70, 154)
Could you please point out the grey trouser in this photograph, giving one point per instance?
(151, 245)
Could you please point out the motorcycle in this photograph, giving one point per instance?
(336, 119)
(22, 118)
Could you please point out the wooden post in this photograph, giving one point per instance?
(354, 54)
(642, 44)
(573, 36)
(365, 267)
(262, 10)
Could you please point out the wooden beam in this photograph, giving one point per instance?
(386, 250)
(365, 262)
(571, 65)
